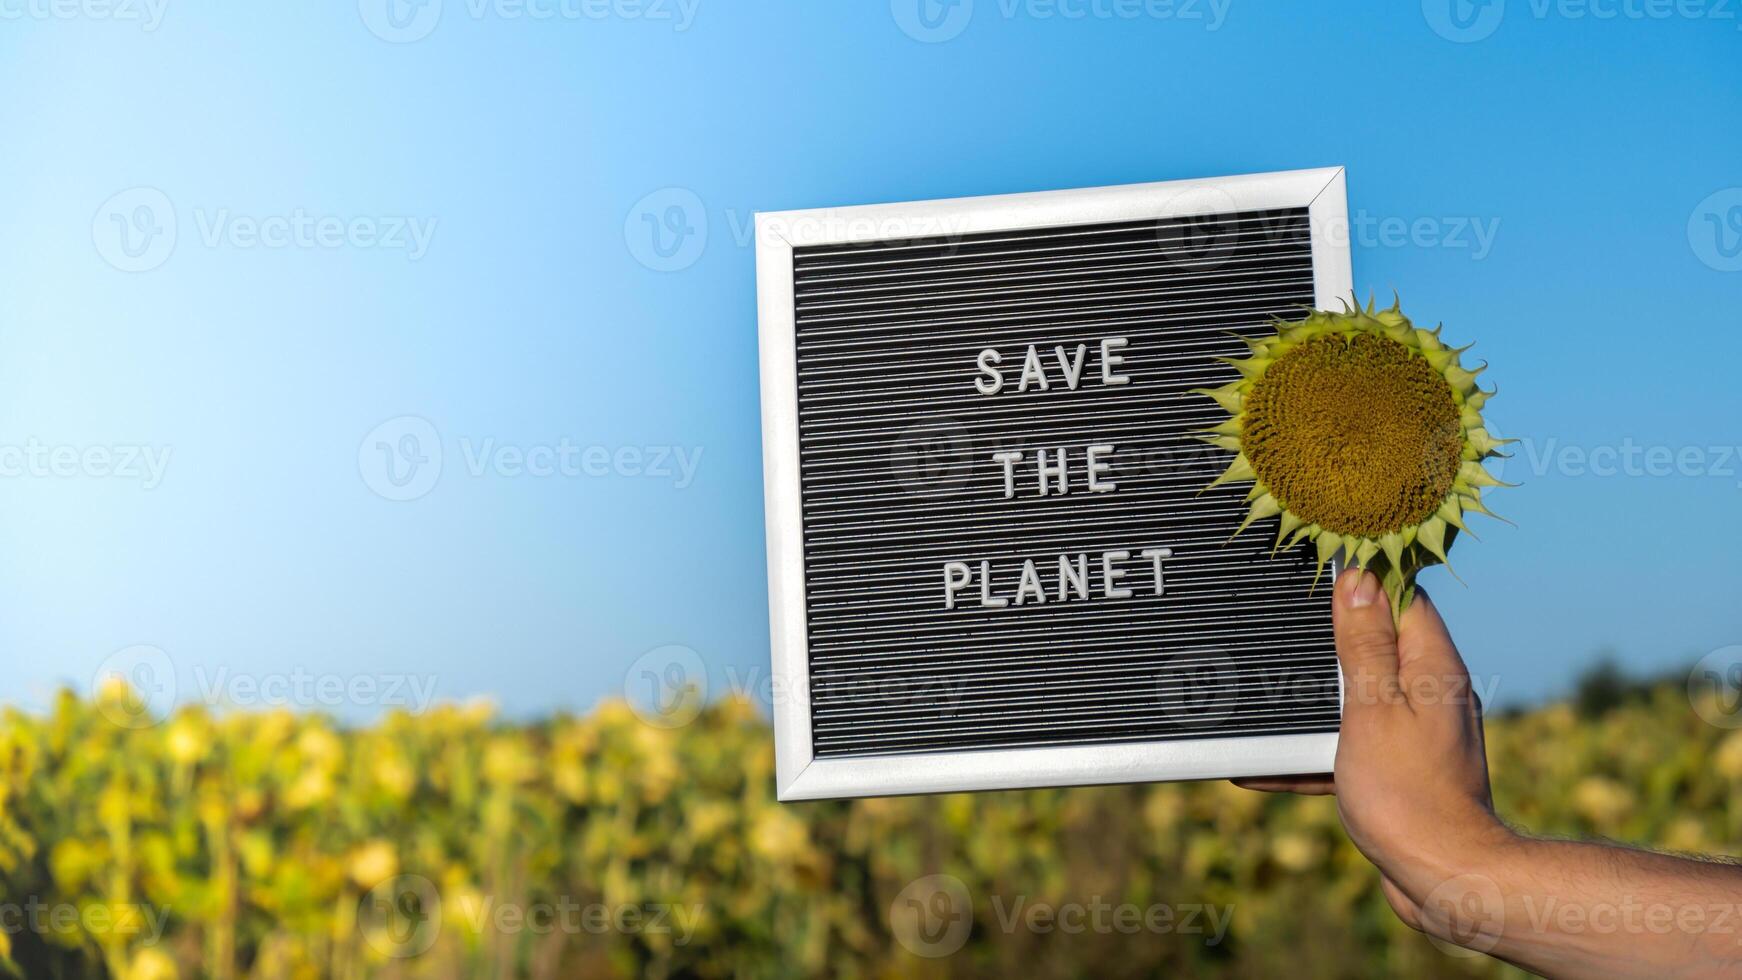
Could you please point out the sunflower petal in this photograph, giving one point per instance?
(1432, 535)
(1228, 396)
(1264, 506)
(1288, 526)
(1240, 469)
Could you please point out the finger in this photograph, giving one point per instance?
(1366, 642)
(1429, 667)
(1321, 785)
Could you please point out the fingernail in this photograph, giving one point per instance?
(1347, 582)
(1366, 591)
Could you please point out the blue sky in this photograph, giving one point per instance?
(253, 250)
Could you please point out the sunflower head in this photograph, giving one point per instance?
(1363, 433)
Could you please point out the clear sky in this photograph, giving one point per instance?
(268, 267)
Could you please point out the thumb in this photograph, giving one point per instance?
(1366, 642)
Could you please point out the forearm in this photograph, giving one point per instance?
(1563, 908)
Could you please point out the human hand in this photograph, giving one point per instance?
(1412, 788)
(1411, 775)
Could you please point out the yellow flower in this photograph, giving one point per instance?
(1297, 851)
(373, 863)
(189, 740)
(506, 762)
(477, 712)
(778, 836)
(392, 773)
(1601, 801)
(1686, 834)
(71, 863)
(1728, 757)
(311, 787)
(320, 746)
(151, 964)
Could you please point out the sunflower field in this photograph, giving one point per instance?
(454, 845)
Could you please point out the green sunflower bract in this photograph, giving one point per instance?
(1363, 433)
